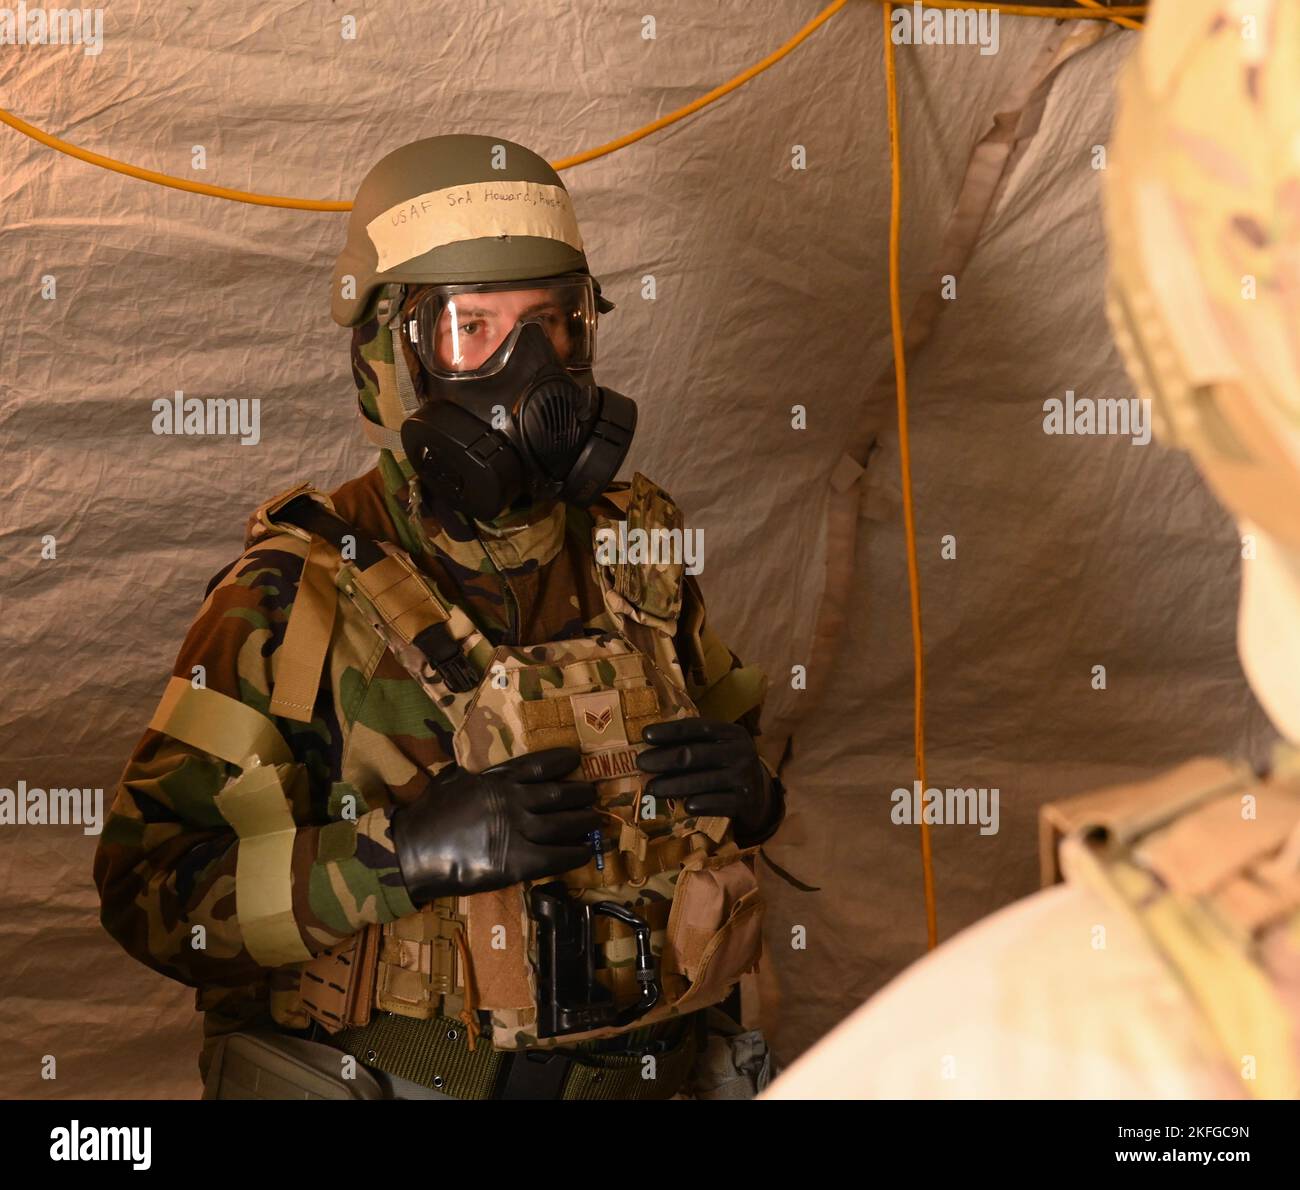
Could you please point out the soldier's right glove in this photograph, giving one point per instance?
(473, 832)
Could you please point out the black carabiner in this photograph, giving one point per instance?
(570, 999)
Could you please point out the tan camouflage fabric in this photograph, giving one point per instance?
(1202, 191)
(595, 694)
(1205, 858)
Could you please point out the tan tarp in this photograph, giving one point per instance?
(1072, 552)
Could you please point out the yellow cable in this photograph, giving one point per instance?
(1125, 21)
(149, 175)
(704, 100)
(317, 204)
(1092, 11)
(1038, 10)
(313, 204)
(905, 462)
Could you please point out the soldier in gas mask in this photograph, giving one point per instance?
(462, 810)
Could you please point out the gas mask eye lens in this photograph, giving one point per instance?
(468, 332)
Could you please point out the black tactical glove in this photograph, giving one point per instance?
(473, 832)
(714, 767)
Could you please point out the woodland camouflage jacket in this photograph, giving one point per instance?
(166, 860)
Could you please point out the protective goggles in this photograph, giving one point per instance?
(466, 332)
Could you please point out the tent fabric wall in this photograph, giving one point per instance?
(770, 292)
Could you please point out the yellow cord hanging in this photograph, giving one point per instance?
(314, 204)
(905, 463)
(1092, 12)
(1126, 22)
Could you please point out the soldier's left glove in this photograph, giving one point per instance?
(713, 766)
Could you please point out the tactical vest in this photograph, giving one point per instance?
(1206, 858)
(664, 918)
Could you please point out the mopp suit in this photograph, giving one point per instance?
(396, 802)
(1196, 874)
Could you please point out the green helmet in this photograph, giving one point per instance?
(456, 209)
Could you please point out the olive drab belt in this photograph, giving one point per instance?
(662, 920)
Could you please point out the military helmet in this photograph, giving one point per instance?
(1202, 193)
(457, 208)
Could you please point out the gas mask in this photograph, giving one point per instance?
(511, 407)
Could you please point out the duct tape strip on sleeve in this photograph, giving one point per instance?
(218, 724)
(257, 809)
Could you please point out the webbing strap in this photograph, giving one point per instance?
(381, 436)
(306, 640)
(406, 600)
(662, 855)
(314, 517)
(399, 595)
(406, 393)
(256, 807)
(218, 724)
(433, 1053)
(736, 692)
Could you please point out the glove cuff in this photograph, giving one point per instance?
(776, 797)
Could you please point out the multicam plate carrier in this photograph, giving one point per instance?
(670, 906)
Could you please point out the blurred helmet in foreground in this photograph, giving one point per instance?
(1202, 204)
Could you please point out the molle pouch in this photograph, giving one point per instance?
(411, 966)
(418, 969)
(715, 930)
(642, 559)
(337, 987)
(589, 953)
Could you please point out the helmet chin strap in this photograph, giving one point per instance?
(381, 436)
(390, 314)
(406, 394)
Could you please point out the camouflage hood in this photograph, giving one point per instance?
(379, 401)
